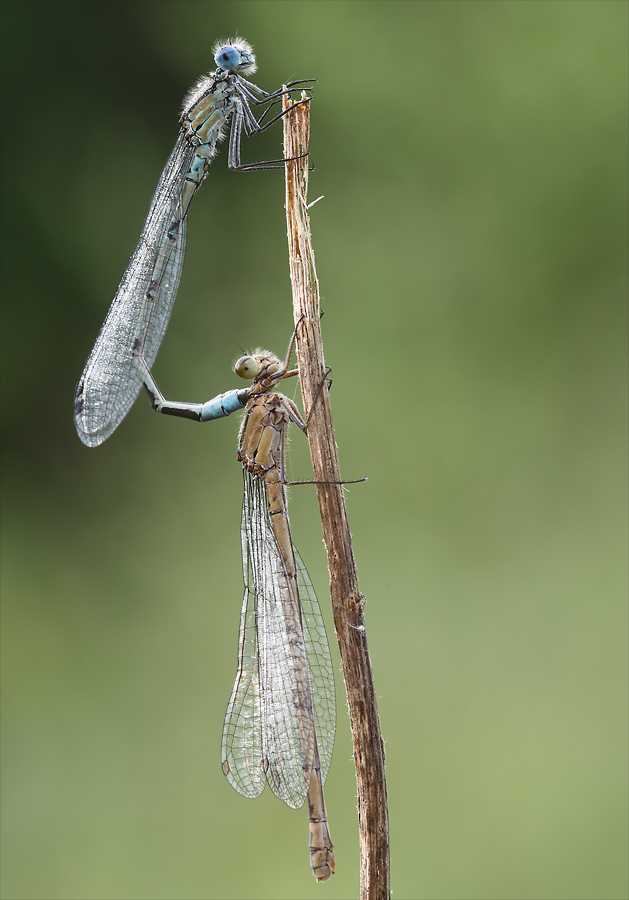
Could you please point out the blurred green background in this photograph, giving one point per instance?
(471, 249)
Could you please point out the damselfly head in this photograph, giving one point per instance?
(235, 55)
(261, 365)
(247, 367)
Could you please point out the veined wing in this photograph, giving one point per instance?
(269, 731)
(241, 744)
(140, 311)
(319, 666)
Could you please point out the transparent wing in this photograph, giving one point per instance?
(140, 311)
(270, 726)
(319, 666)
(241, 746)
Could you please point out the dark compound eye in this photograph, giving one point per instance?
(227, 58)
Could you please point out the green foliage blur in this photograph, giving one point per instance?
(472, 249)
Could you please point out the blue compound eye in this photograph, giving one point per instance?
(227, 58)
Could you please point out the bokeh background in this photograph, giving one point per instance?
(471, 247)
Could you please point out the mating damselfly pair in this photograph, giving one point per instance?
(280, 721)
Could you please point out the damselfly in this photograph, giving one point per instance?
(141, 308)
(281, 717)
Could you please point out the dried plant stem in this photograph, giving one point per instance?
(347, 601)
